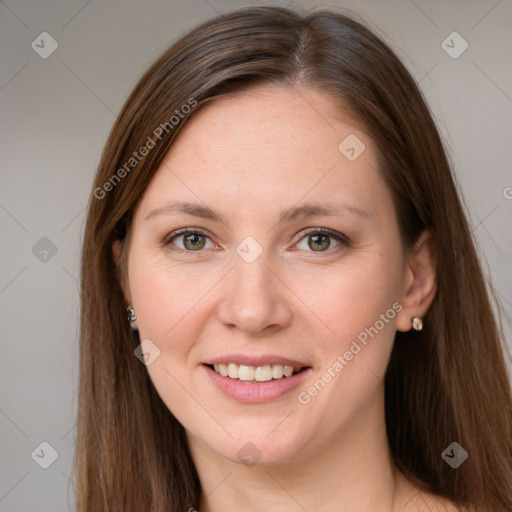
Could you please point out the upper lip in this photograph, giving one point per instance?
(256, 360)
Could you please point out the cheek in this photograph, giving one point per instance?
(340, 303)
(170, 307)
(359, 305)
(170, 313)
(166, 298)
(337, 312)
(352, 297)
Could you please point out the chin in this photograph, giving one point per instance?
(258, 449)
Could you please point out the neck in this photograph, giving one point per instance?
(351, 471)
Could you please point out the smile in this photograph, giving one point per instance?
(264, 373)
(241, 381)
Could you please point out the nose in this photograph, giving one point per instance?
(255, 299)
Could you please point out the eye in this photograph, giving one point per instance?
(317, 240)
(189, 240)
(321, 240)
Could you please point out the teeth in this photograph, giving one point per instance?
(277, 371)
(246, 372)
(263, 373)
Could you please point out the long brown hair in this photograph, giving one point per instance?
(447, 384)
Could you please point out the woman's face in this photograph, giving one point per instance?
(254, 177)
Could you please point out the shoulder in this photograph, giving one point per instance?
(412, 498)
(420, 500)
(426, 502)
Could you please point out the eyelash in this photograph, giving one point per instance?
(340, 237)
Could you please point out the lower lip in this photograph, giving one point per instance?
(256, 392)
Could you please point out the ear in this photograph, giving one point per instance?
(419, 288)
(117, 247)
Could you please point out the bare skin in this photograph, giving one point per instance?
(249, 157)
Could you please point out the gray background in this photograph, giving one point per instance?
(55, 116)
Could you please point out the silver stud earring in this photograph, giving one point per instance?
(417, 323)
(130, 312)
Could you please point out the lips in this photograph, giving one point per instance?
(253, 391)
(256, 378)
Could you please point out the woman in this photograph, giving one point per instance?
(308, 324)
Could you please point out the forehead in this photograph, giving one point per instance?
(270, 116)
(268, 145)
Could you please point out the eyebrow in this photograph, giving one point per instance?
(307, 210)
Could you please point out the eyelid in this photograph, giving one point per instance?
(325, 231)
(184, 231)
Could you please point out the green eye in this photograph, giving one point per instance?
(189, 240)
(321, 240)
(194, 241)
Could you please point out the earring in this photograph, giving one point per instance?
(417, 323)
(130, 312)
